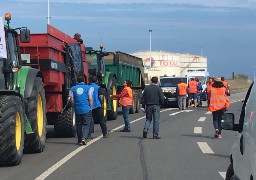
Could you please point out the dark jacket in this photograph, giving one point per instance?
(152, 95)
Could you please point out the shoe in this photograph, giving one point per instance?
(145, 134)
(83, 142)
(105, 135)
(80, 143)
(156, 137)
(216, 133)
(219, 136)
(125, 130)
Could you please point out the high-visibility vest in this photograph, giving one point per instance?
(209, 86)
(126, 101)
(182, 89)
(218, 99)
(192, 87)
(225, 83)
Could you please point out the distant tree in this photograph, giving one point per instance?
(241, 77)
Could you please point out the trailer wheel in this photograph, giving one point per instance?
(12, 127)
(36, 113)
(134, 102)
(65, 126)
(112, 114)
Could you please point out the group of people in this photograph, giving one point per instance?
(88, 107)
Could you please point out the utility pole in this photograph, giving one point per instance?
(48, 16)
(150, 31)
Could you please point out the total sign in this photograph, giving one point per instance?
(3, 53)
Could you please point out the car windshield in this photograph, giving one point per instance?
(171, 82)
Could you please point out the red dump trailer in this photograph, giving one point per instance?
(61, 59)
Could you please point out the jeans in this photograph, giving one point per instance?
(152, 111)
(182, 101)
(83, 125)
(97, 115)
(217, 117)
(126, 116)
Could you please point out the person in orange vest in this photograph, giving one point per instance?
(219, 103)
(192, 92)
(125, 101)
(181, 90)
(225, 83)
(208, 89)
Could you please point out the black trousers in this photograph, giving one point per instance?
(97, 115)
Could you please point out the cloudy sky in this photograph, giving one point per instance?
(222, 30)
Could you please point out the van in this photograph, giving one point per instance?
(243, 153)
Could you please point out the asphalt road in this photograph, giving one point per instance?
(187, 150)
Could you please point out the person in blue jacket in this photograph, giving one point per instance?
(81, 98)
(97, 111)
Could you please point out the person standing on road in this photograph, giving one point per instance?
(219, 103)
(126, 99)
(181, 90)
(152, 99)
(81, 97)
(208, 89)
(225, 83)
(192, 92)
(97, 111)
(199, 92)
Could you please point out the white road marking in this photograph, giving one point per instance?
(223, 174)
(208, 112)
(198, 130)
(201, 119)
(53, 168)
(205, 148)
(173, 114)
(187, 110)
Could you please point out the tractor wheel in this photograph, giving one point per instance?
(104, 103)
(65, 126)
(12, 127)
(137, 102)
(112, 114)
(133, 108)
(36, 113)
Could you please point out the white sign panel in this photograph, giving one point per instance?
(3, 53)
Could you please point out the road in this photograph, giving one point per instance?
(187, 150)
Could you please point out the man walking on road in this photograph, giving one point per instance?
(192, 92)
(182, 94)
(152, 99)
(97, 111)
(219, 103)
(125, 100)
(81, 97)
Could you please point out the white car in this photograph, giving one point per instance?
(243, 154)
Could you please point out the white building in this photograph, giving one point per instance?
(169, 64)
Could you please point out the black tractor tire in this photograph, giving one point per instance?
(12, 127)
(138, 95)
(134, 102)
(36, 114)
(230, 173)
(112, 114)
(65, 126)
(104, 103)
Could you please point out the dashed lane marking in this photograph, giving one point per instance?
(173, 114)
(208, 112)
(198, 130)
(205, 148)
(201, 119)
(223, 174)
(53, 168)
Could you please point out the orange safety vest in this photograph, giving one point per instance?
(209, 86)
(192, 87)
(127, 100)
(218, 99)
(225, 83)
(182, 89)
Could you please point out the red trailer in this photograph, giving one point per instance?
(61, 59)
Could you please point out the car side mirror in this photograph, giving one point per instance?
(25, 35)
(228, 121)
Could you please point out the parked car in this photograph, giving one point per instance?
(243, 154)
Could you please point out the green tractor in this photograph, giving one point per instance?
(22, 99)
(107, 81)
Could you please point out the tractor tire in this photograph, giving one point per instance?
(36, 113)
(134, 102)
(104, 103)
(12, 127)
(65, 126)
(138, 95)
(112, 114)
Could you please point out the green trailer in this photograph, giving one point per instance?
(22, 100)
(112, 69)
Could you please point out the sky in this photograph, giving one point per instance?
(224, 31)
